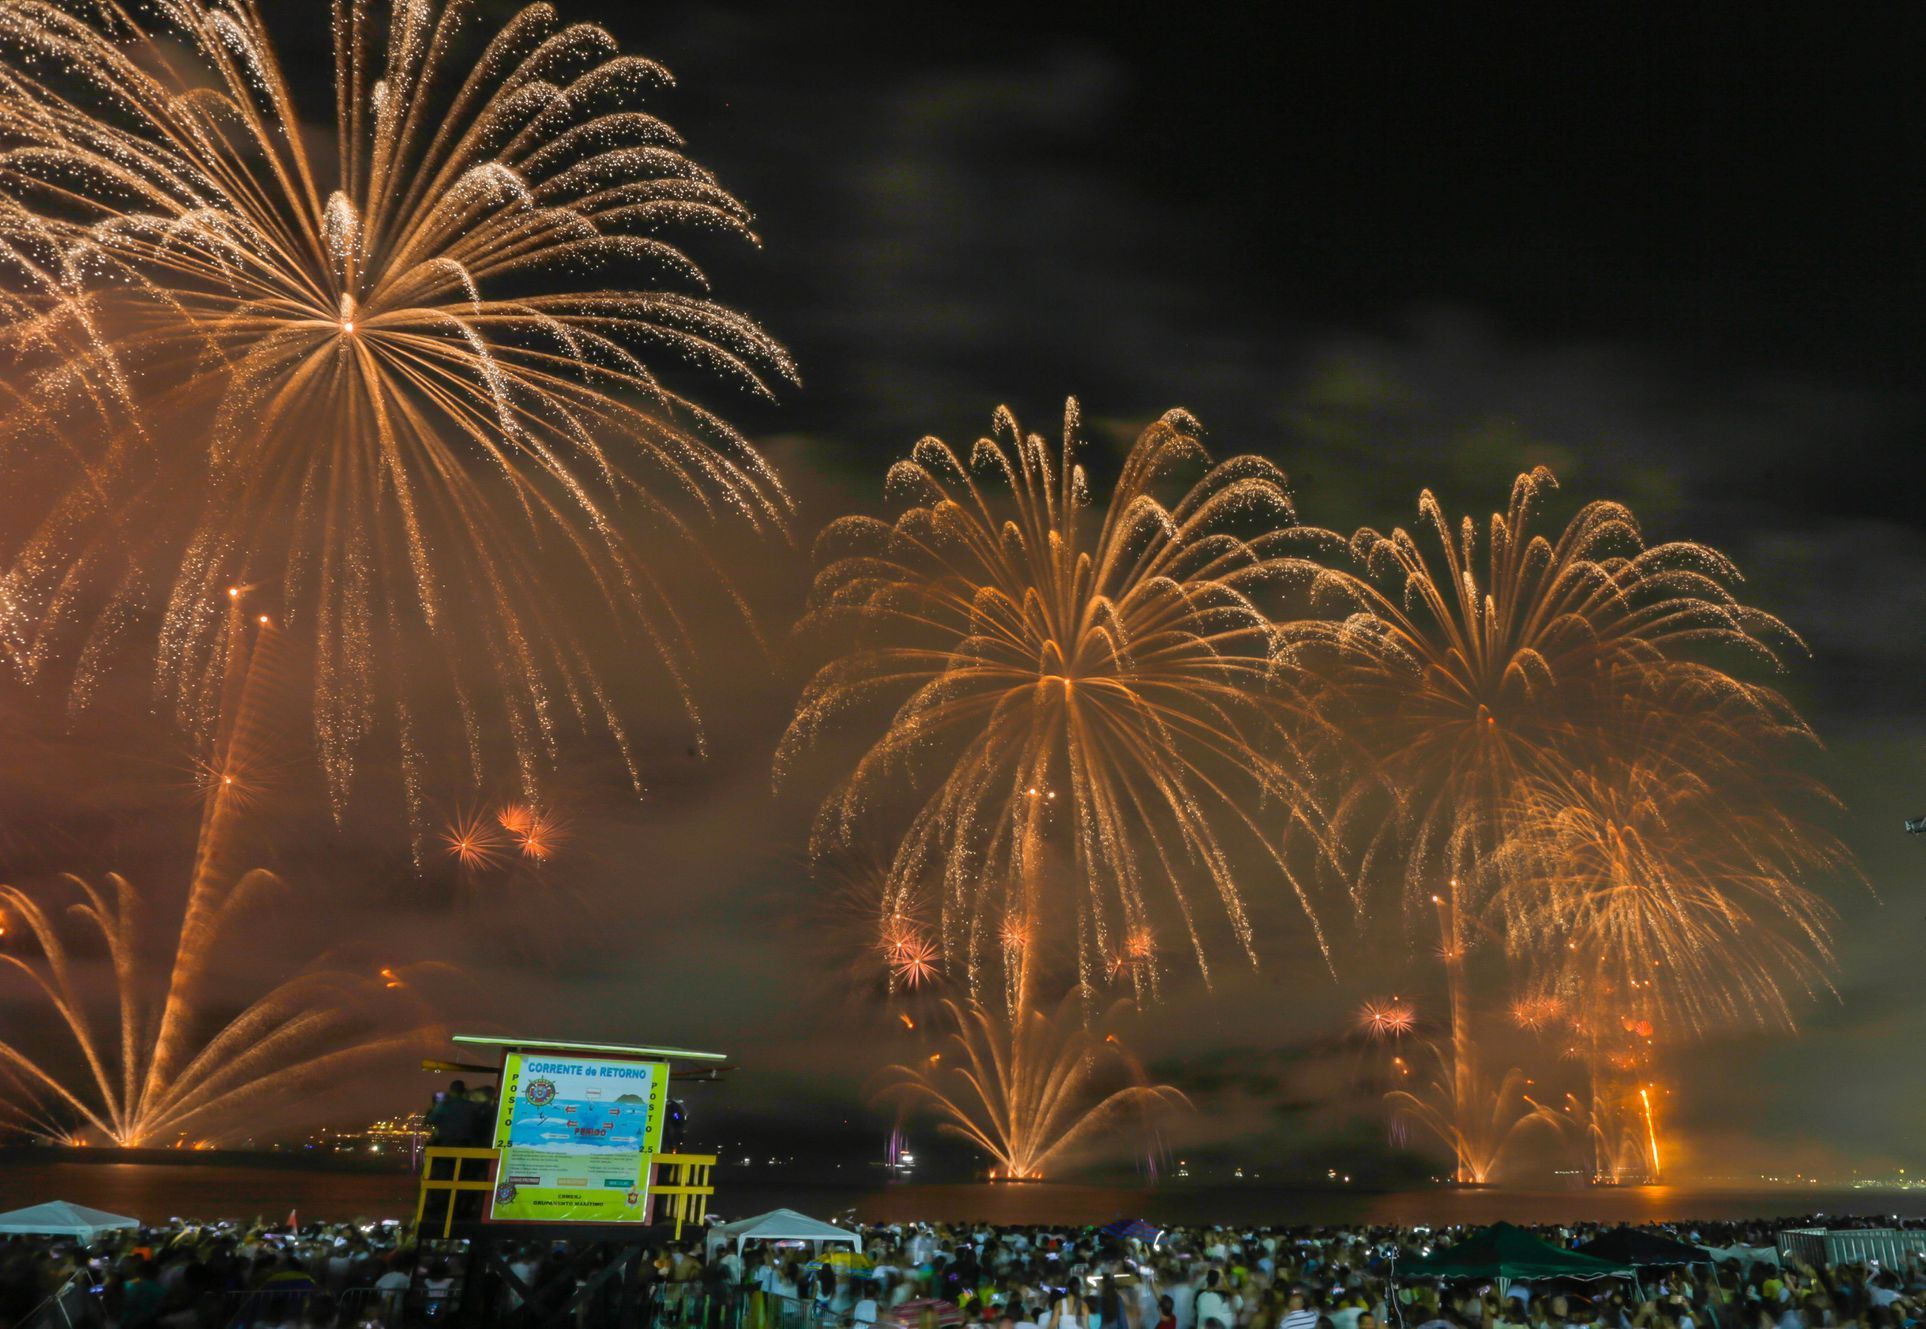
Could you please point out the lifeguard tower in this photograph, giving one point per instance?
(575, 1154)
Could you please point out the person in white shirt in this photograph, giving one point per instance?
(865, 1311)
(338, 1265)
(1298, 1313)
(785, 1284)
(1182, 1294)
(1068, 1312)
(391, 1287)
(1211, 1303)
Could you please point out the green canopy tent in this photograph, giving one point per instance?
(1645, 1249)
(1502, 1253)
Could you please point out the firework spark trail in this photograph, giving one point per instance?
(1025, 1087)
(390, 391)
(1099, 682)
(157, 1071)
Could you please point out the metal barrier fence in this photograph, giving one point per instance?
(689, 1306)
(693, 1306)
(77, 1306)
(268, 1308)
(666, 1306)
(72, 1306)
(1887, 1247)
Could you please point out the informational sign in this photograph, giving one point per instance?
(577, 1136)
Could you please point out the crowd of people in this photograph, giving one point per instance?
(203, 1276)
(931, 1276)
(1318, 1278)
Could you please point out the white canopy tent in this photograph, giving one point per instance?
(1747, 1256)
(778, 1225)
(58, 1218)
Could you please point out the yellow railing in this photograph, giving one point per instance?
(464, 1170)
(682, 1185)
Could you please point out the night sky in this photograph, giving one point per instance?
(1673, 252)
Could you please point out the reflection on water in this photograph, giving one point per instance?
(154, 1192)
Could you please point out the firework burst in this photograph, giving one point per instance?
(480, 842)
(384, 389)
(472, 842)
(1026, 1088)
(1467, 675)
(1621, 1129)
(1095, 682)
(1538, 1011)
(539, 837)
(517, 819)
(155, 1073)
(1462, 682)
(912, 958)
(1388, 1019)
(1680, 887)
(1016, 935)
(1136, 962)
(868, 931)
(1475, 1117)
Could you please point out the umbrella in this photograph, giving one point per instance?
(1505, 1251)
(910, 1313)
(1128, 1229)
(844, 1259)
(1644, 1249)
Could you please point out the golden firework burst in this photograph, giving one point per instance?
(1478, 1118)
(1073, 681)
(1388, 1019)
(163, 1066)
(1459, 681)
(1536, 1011)
(1683, 885)
(913, 958)
(1025, 1087)
(388, 388)
(472, 842)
